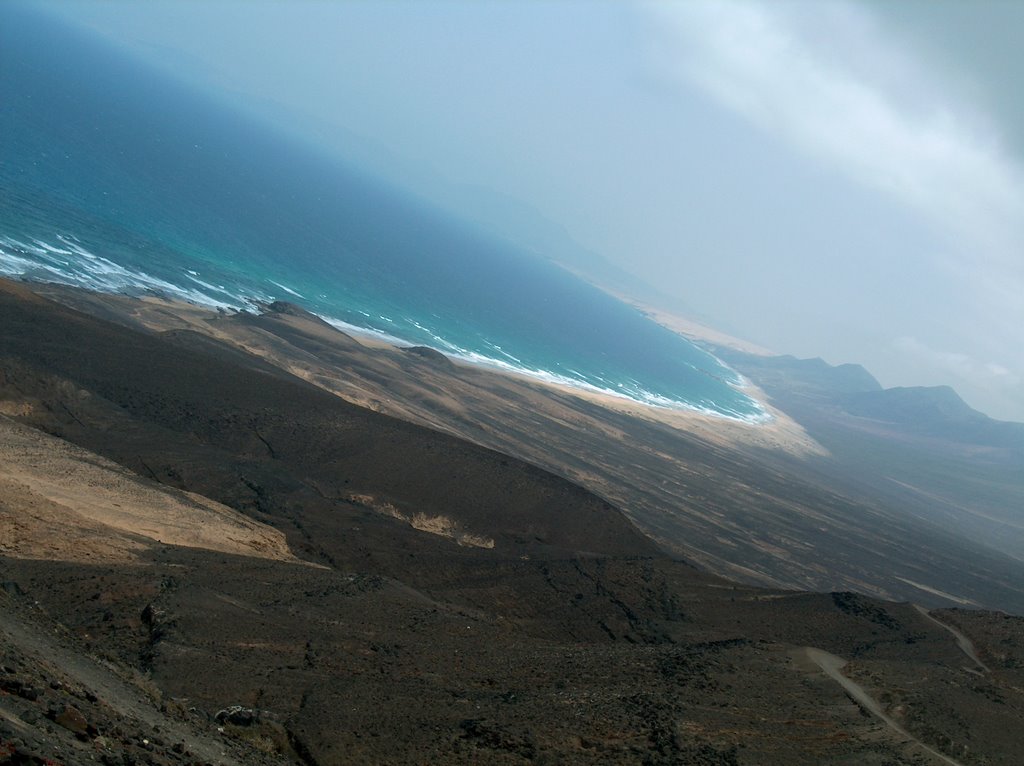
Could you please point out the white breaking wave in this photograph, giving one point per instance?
(368, 332)
(194, 276)
(287, 289)
(37, 261)
(637, 394)
(70, 263)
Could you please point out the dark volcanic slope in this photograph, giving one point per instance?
(744, 513)
(571, 640)
(210, 423)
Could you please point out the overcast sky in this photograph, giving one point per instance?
(835, 179)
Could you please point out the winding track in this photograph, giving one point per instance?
(832, 666)
(965, 644)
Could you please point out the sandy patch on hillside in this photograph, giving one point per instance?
(58, 501)
(435, 525)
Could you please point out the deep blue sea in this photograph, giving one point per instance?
(115, 178)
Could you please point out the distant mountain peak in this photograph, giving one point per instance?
(813, 377)
(914, 403)
(936, 411)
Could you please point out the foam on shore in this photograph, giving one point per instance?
(69, 262)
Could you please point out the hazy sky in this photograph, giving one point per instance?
(835, 179)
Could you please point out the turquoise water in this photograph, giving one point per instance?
(117, 179)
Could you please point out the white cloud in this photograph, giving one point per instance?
(823, 77)
(827, 79)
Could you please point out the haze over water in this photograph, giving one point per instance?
(117, 179)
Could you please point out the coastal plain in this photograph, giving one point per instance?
(275, 543)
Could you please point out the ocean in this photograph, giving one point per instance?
(119, 179)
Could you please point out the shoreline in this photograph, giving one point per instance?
(139, 284)
(376, 338)
(690, 329)
(104, 276)
(776, 431)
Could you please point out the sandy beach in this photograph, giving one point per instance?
(778, 431)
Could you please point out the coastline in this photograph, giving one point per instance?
(690, 329)
(739, 500)
(777, 431)
(378, 339)
(68, 262)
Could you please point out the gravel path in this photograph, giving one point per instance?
(832, 665)
(965, 644)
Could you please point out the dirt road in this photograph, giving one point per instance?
(965, 644)
(832, 665)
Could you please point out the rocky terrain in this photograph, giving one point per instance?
(384, 592)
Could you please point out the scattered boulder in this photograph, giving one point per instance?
(19, 687)
(71, 718)
(236, 715)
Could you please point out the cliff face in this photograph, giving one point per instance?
(934, 405)
(936, 411)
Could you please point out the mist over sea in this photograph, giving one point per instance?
(117, 179)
